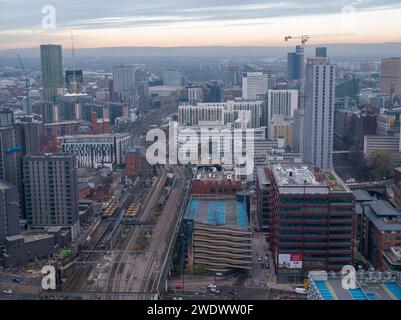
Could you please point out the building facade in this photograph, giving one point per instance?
(51, 194)
(319, 113)
(312, 218)
(52, 71)
(96, 150)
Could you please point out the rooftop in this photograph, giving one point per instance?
(227, 212)
(214, 176)
(362, 195)
(303, 179)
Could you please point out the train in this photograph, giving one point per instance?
(109, 210)
(133, 210)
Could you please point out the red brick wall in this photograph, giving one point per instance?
(215, 187)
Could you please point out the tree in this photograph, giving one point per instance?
(380, 165)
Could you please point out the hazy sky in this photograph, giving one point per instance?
(97, 23)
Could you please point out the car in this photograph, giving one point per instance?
(17, 280)
(178, 298)
(7, 291)
(260, 259)
(233, 292)
(179, 286)
(235, 298)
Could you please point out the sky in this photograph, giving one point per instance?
(170, 23)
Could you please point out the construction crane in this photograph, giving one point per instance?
(305, 37)
(74, 84)
(27, 85)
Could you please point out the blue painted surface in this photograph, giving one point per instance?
(357, 294)
(216, 213)
(242, 218)
(394, 287)
(371, 296)
(324, 290)
(192, 208)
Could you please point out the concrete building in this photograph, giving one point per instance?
(51, 194)
(281, 127)
(96, 150)
(6, 117)
(52, 71)
(254, 85)
(390, 76)
(222, 113)
(319, 113)
(10, 211)
(321, 52)
(381, 230)
(295, 64)
(375, 142)
(281, 102)
(173, 78)
(124, 80)
(218, 235)
(312, 221)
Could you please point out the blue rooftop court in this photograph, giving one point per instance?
(324, 290)
(217, 212)
(357, 294)
(394, 288)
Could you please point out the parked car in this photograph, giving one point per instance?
(233, 292)
(179, 286)
(7, 291)
(17, 280)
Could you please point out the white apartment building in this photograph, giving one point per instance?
(319, 113)
(254, 85)
(223, 113)
(92, 151)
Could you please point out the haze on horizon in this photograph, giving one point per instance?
(169, 23)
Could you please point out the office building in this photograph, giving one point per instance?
(6, 117)
(51, 194)
(390, 76)
(173, 78)
(93, 151)
(52, 71)
(319, 113)
(295, 64)
(380, 226)
(312, 221)
(282, 103)
(281, 127)
(321, 52)
(222, 113)
(254, 85)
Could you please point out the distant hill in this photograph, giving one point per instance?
(354, 51)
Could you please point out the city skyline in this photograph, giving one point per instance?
(170, 23)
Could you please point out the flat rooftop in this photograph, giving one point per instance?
(362, 195)
(222, 212)
(214, 176)
(303, 179)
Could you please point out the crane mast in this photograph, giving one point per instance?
(27, 85)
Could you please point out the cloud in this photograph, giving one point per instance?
(25, 15)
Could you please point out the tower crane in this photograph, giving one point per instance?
(74, 84)
(305, 37)
(27, 85)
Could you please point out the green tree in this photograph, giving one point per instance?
(380, 164)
